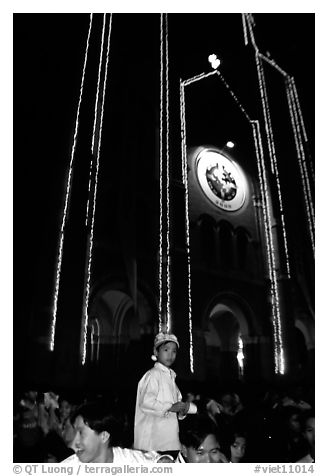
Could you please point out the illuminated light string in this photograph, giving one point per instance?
(187, 224)
(168, 238)
(67, 196)
(272, 153)
(164, 318)
(298, 130)
(249, 24)
(274, 292)
(95, 118)
(90, 241)
(243, 18)
(160, 266)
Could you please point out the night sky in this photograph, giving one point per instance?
(48, 57)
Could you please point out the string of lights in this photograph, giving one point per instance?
(67, 197)
(243, 19)
(194, 79)
(164, 319)
(274, 293)
(90, 240)
(187, 224)
(272, 153)
(233, 95)
(95, 119)
(168, 238)
(298, 130)
(160, 265)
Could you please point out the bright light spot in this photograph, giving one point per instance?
(240, 356)
(214, 61)
(230, 144)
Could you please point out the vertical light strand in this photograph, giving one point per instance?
(274, 291)
(168, 209)
(278, 343)
(272, 153)
(160, 264)
(243, 18)
(95, 118)
(298, 130)
(301, 129)
(67, 197)
(270, 141)
(187, 224)
(89, 259)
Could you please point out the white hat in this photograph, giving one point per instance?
(160, 339)
(163, 337)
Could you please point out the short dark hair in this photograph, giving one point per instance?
(195, 429)
(99, 417)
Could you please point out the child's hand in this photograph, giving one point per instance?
(186, 409)
(177, 407)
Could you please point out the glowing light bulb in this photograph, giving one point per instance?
(214, 61)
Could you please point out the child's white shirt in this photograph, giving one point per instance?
(155, 428)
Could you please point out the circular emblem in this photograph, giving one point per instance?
(221, 180)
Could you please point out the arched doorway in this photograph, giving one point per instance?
(120, 336)
(229, 328)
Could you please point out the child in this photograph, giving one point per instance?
(159, 402)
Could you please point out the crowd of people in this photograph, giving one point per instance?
(168, 425)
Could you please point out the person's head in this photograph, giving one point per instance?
(308, 429)
(199, 441)
(96, 432)
(291, 418)
(237, 447)
(65, 408)
(31, 395)
(165, 348)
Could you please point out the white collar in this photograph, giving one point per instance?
(162, 367)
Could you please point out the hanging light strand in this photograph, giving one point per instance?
(67, 197)
(168, 210)
(274, 290)
(160, 265)
(187, 223)
(95, 119)
(299, 135)
(243, 18)
(272, 154)
(300, 130)
(279, 358)
(194, 79)
(90, 241)
(272, 63)
(233, 95)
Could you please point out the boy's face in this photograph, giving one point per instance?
(238, 448)
(88, 444)
(166, 353)
(207, 452)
